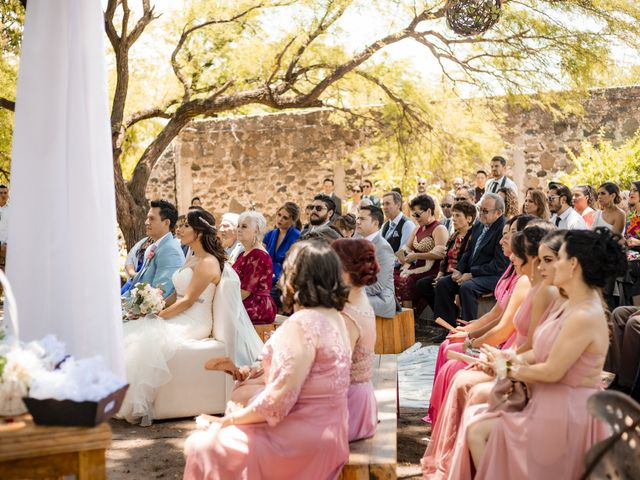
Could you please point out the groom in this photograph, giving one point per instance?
(164, 256)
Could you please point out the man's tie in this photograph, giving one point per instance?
(390, 230)
(480, 238)
(494, 186)
(557, 220)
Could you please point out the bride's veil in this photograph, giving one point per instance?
(231, 324)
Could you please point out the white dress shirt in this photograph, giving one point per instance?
(407, 228)
(494, 185)
(4, 223)
(569, 220)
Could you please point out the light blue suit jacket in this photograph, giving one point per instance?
(168, 258)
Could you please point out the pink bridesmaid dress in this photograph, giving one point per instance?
(549, 437)
(304, 403)
(438, 455)
(363, 408)
(446, 369)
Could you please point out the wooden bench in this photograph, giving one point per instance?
(395, 335)
(34, 451)
(485, 303)
(376, 457)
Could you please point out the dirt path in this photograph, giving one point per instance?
(156, 451)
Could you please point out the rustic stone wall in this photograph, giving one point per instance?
(257, 161)
(261, 161)
(538, 144)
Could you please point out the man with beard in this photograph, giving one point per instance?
(564, 215)
(320, 212)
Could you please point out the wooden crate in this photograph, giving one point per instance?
(395, 335)
(376, 457)
(264, 331)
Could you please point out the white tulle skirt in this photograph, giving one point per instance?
(149, 343)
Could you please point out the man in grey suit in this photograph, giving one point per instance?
(328, 189)
(164, 256)
(381, 294)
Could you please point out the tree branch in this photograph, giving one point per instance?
(7, 104)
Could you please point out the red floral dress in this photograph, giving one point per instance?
(255, 270)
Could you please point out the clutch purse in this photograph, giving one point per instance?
(508, 396)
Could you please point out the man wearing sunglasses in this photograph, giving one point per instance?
(320, 212)
(446, 204)
(561, 206)
(479, 268)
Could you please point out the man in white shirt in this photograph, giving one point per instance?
(446, 204)
(564, 215)
(398, 227)
(382, 293)
(4, 227)
(499, 180)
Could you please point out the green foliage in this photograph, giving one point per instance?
(602, 162)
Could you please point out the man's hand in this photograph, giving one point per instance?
(455, 275)
(465, 277)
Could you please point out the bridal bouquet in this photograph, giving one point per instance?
(143, 300)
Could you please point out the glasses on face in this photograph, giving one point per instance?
(446, 205)
(486, 211)
(422, 184)
(308, 208)
(460, 199)
(417, 214)
(317, 208)
(552, 197)
(357, 191)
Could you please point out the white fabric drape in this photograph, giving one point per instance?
(62, 248)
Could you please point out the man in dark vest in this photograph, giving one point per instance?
(398, 227)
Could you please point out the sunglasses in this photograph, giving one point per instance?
(446, 205)
(486, 211)
(551, 197)
(317, 208)
(417, 214)
(460, 199)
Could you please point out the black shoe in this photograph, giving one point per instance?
(438, 336)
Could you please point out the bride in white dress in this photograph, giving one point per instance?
(150, 342)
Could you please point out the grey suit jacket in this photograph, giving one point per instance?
(382, 293)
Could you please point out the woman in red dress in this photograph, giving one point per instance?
(255, 269)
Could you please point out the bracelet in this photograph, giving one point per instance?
(468, 342)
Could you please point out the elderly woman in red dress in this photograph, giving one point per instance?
(255, 269)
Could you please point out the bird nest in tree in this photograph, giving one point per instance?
(472, 17)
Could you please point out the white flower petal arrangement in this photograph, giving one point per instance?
(41, 371)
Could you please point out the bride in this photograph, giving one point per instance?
(151, 341)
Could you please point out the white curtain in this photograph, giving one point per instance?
(62, 247)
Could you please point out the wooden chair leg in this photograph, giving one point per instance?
(91, 465)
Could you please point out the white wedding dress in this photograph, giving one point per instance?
(150, 342)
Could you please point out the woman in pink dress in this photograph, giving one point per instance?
(471, 386)
(549, 437)
(255, 269)
(296, 426)
(358, 258)
(493, 328)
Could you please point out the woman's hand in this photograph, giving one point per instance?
(633, 242)
(203, 421)
(457, 337)
(412, 257)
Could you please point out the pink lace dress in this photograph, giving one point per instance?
(305, 435)
(469, 386)
(446, 369)
(549, 437)
(255, 270)
(363, 409)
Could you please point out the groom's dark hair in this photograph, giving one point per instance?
(167, 212)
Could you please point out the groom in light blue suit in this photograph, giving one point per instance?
(164, 256)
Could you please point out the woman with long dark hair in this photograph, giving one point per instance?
(150, 342)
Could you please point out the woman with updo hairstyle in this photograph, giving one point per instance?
(549, 437)
(584, 201)
(361, 268)
(296, 426)
(151, 341)
(611, 215)
(279, 240)
(255, 269)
